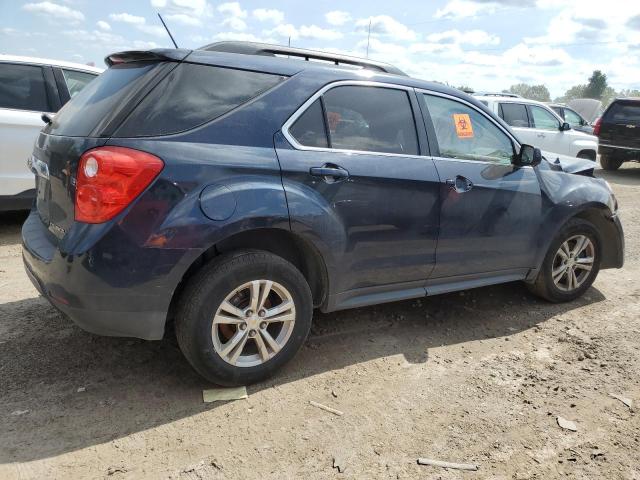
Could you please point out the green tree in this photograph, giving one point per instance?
(577, 91)
(629, 93)
(609, 95)
(532, 92)
(596, 86)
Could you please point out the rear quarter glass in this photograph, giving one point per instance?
(194, 94)
(95, 107)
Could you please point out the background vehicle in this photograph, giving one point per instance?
(536, 124)
(572, 117)
(234, 193)
(28, 88)
(619, 131)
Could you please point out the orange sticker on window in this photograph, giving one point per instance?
(464, 129)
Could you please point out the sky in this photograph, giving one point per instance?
(485, 44)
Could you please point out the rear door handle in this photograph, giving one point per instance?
(329, 172)
(460, 184)
(541, 135)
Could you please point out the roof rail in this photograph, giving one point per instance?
(498, 94)
(266, 49)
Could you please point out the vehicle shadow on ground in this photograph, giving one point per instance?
(128, 386)
(10, 226)
(628, 174)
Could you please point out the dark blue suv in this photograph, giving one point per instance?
(232, 190)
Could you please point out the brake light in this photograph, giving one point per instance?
(109, 179)
(596, 126)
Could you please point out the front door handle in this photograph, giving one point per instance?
(460, 184)
(541, 135)
(329, 172)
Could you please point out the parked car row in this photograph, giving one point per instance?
(233, 189)
(30, 87)
(537, 124)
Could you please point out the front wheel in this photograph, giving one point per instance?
(571, 264)
(243, 317)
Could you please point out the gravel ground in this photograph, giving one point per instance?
(476, 377)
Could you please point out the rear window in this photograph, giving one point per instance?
(192, 95)
(624, 112)
(93, 108)
(22, 87)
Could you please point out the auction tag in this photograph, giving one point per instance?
(464, 129)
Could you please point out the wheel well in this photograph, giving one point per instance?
(287, 245)
(609, 234)
(590, 154)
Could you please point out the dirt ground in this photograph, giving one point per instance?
(476, 377)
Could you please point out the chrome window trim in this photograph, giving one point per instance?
(303, 108)
(360, 83)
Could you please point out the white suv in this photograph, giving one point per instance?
(534, 123)
(30, 87)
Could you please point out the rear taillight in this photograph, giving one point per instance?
(596, 126)
(109, 179)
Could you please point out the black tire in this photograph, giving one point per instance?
(206, 291)
(544, 285)
(610, 163)
(588, 155)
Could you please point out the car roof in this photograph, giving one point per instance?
(323, 71)
(271, 50)
(53, 63)
(510, 99)
(290, 66)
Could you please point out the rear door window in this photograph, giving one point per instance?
(192, 95)
(627, 113)
(514, 114)
(464, 133)
(543, 119)
(22, 87)
(76, 80)
(371, 119)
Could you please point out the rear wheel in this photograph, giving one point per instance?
(609, 163)
(243, 317)
(571, 264)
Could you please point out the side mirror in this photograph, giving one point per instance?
(528, 156)
(565, 126)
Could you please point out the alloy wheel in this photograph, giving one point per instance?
(253, 323)
(573, 263)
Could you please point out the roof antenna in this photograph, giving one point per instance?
(167, 29)
(368, 37)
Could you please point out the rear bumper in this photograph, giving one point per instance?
(148, 325)
(21, 201)
(623, 153)
(126, 296)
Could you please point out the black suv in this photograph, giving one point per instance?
(619, 132)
